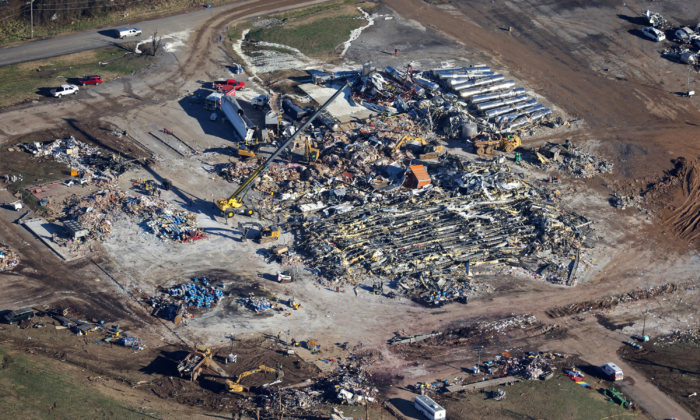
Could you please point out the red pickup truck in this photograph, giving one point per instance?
(228, 85)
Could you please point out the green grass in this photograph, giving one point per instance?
(556, 398)
(22, 82)
(315, 31)
(40, 388)
(317, 38)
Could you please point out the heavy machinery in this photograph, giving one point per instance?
(430, 150)
(235, 386)
(310, 154)
(265, 234)
(248, 150)
(195, 363)
(233, 205)
(488, 145)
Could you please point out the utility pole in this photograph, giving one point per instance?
(279, 391)
(644, 325)
(31, 13)
(478, 365)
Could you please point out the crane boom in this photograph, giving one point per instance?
(228, 205)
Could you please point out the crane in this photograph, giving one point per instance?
(234, 204)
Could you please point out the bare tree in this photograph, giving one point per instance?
(155, 42)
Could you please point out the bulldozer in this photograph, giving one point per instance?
(265, 234)
(235, 386)
(487, 146)
(430, 150)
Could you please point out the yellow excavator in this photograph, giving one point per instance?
(235, 386)
(233, 205)
(248, 150)
(310, 154)
(430, 150)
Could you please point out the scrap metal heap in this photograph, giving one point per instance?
(97, 212)
(428, 239)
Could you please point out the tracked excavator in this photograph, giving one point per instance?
(430, 150)
(233, 205)
(235, 386)
(265, 234)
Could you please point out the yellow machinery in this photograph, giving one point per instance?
(233, 205)
(248, 150)
(194, 363)
(429, 151)
(235, 386)
(488, 146)
(310, 154)
(265, 234)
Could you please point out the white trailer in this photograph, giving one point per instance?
(234, 113)
(429, 408)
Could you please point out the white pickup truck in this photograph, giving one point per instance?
(64, 90)
(125, 32)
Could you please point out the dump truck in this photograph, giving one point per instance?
(234, 204)
(235, 386)
(193, 365)
(488, 146)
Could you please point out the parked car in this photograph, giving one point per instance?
(90, 80)
(654, 34)
(125, 32)
(64, 90)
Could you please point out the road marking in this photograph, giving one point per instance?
(222, 254)
(248, 275)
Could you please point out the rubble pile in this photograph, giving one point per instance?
(681, 336)
(429, 239)
(90, 162)
(612, 301)
(8, 259)
(455, 102)
(349, 384)
(569, 159)
(96, 213)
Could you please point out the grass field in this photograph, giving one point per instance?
(22, 82)
(33, 387)
(555, 399)
(315, 31)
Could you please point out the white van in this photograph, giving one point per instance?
(429, 408)
(613, 371)
(125, 32)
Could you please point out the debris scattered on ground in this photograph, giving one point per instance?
(569, 159)
(8, 259)
(97, 212)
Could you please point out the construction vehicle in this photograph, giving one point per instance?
(488, 145)
(294, 304)
(310, 154)
(235, 386)
(193, 365)
(616, 397)
(430, 150)
(286, 276)
(265, 234)
(233, 205)
(248, 150)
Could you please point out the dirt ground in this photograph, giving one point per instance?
(586, 61)
(672, 368)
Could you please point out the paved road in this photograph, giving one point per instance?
(100, 38)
